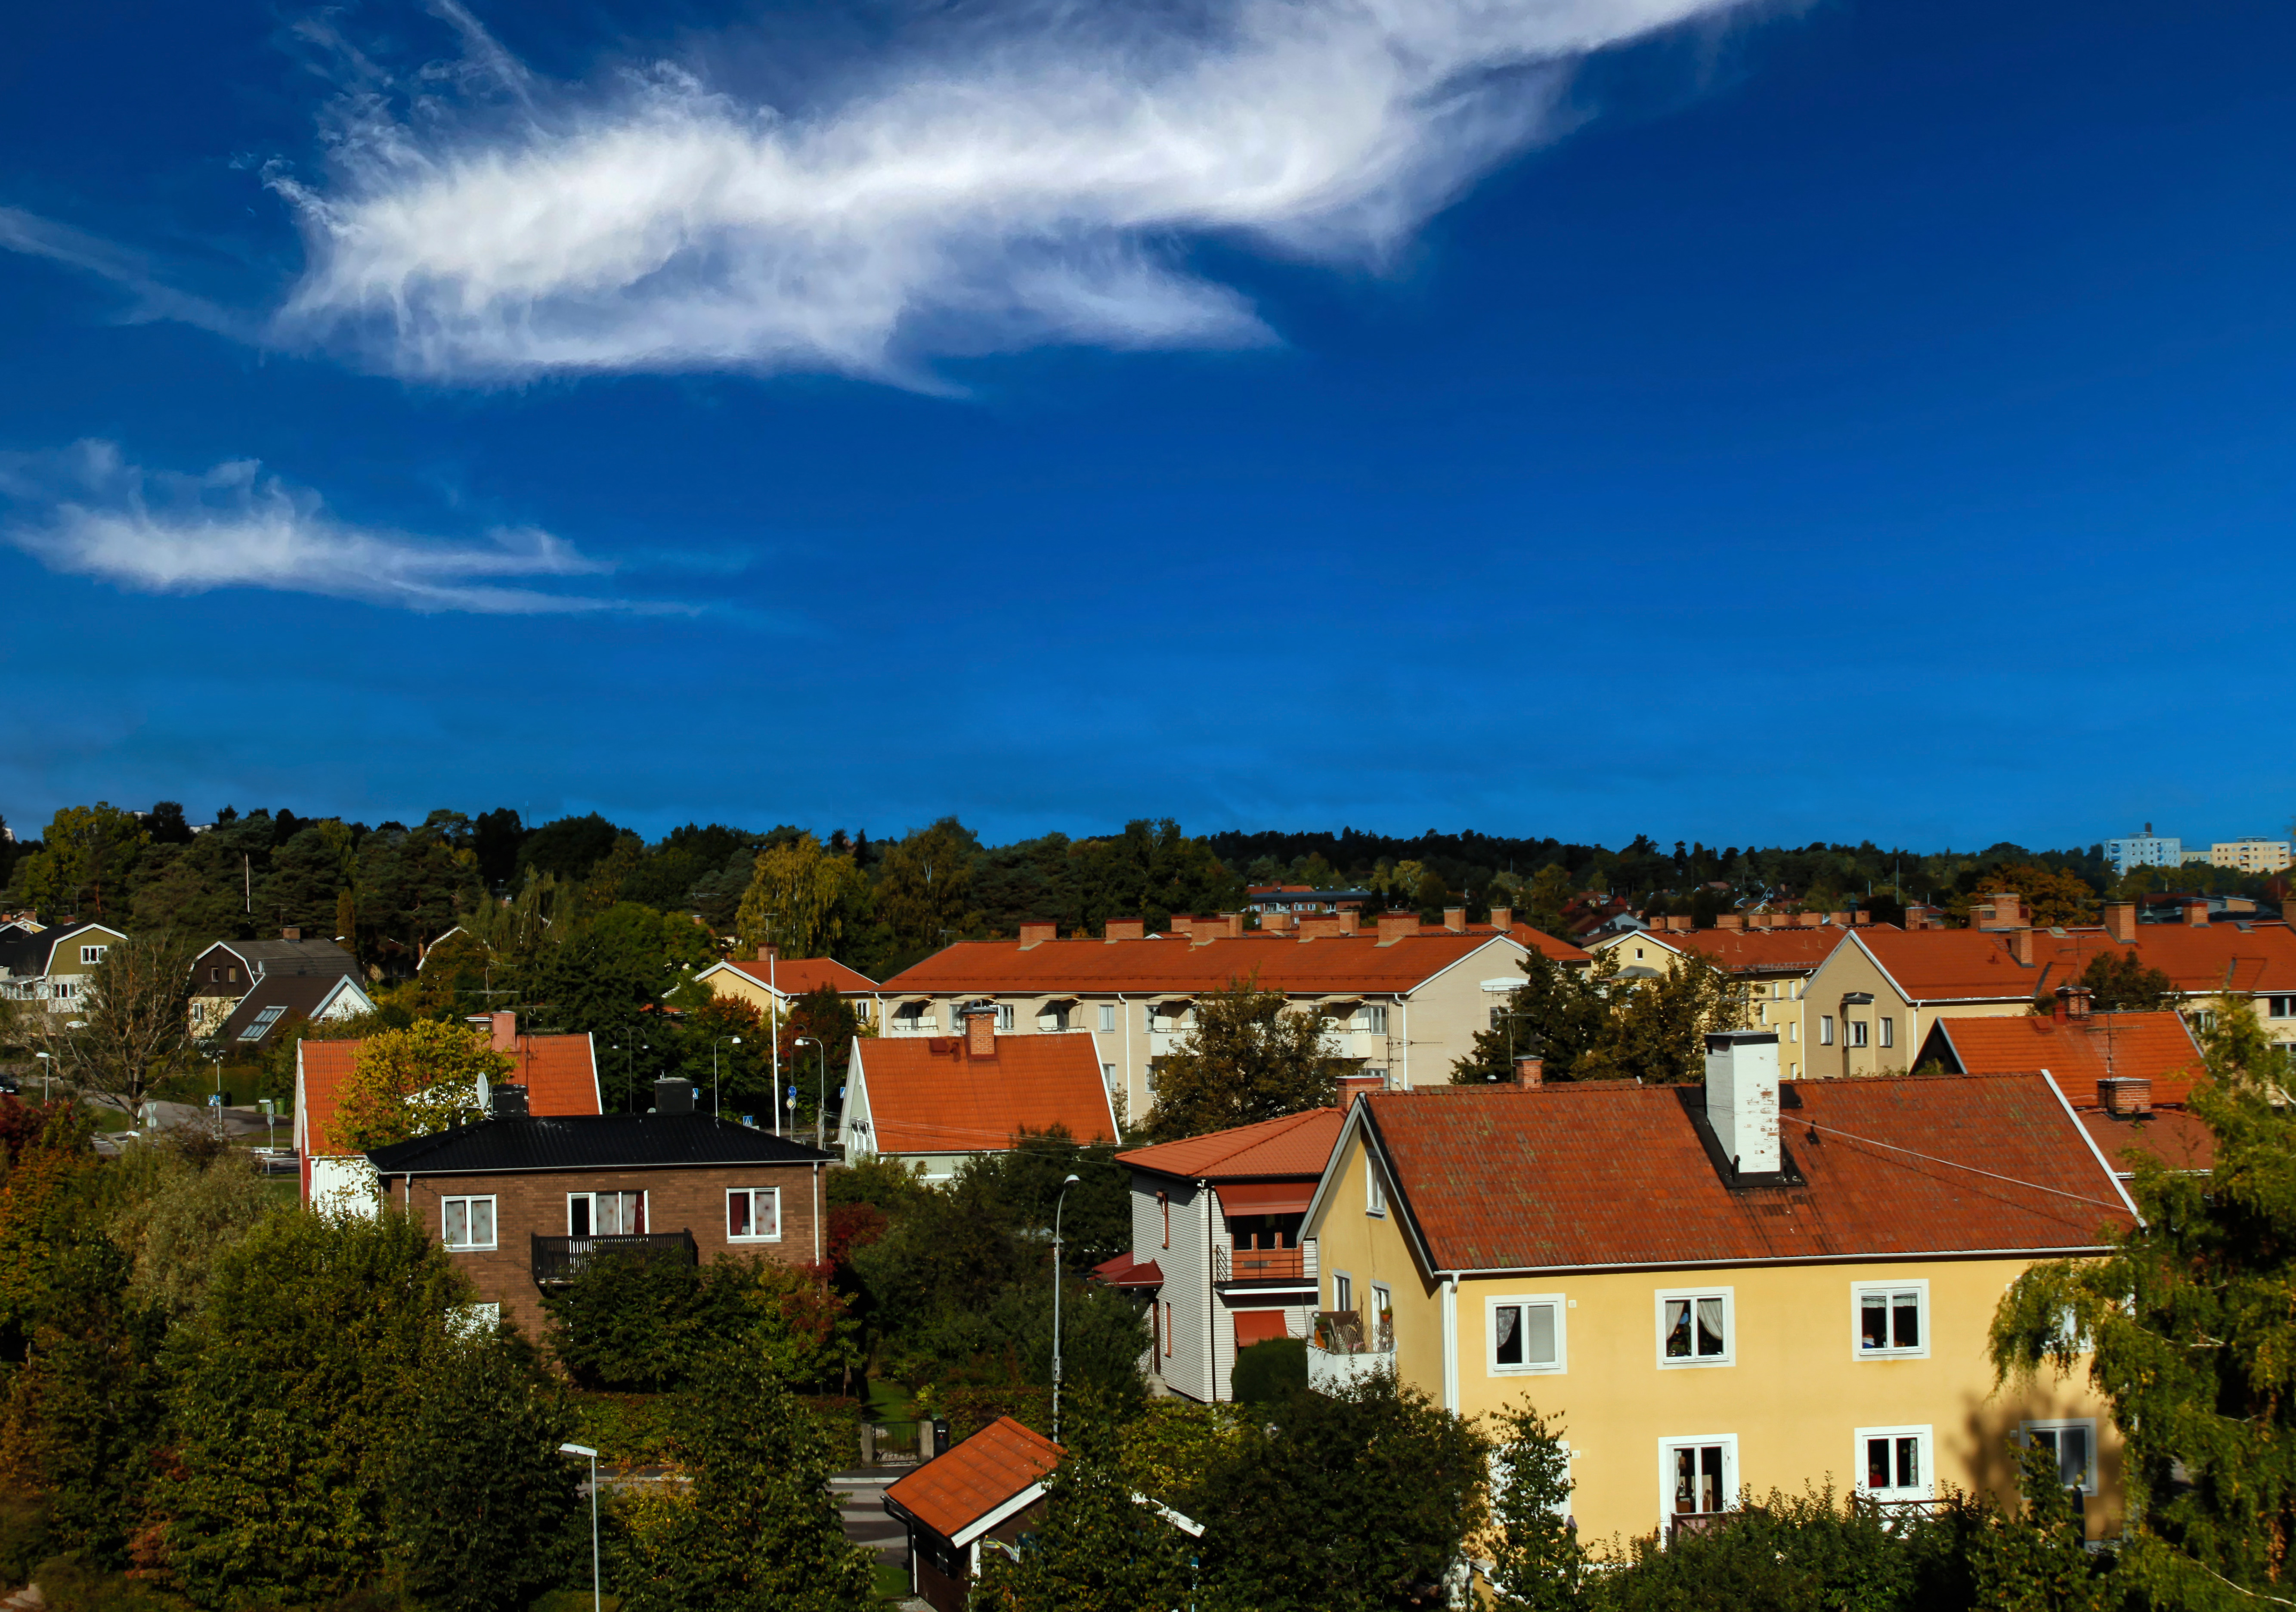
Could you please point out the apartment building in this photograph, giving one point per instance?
(1761, 1284)
(1403, 998)
(2146, 850)
(1771, 957)
(2250, 855)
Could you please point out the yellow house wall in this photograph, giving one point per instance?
(1794, 1395)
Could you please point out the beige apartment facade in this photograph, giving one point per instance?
(1770, 958)
(2250, 855)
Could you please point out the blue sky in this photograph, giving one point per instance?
(1732, 422)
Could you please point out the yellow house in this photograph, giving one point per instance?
(1771, 962)
(1753, 1285)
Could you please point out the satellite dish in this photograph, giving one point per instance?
(486, 1097)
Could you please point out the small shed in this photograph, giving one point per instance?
(987, 1491)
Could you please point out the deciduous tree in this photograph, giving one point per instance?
(130, 1028)
(803, 900)
(413, 1082)
(1250, 1056)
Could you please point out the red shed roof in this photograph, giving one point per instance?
(951, 1492)
(1296, 1144)
(928, 1094)
(1606, 1173)
(794, 976)
(2080, 1051)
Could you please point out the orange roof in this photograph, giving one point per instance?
(951, 1492)
(1757, 951)
(794, 976)
(2080, 1051)
(928, 1094)
(2176, 1136)
(1282, 962)
(1298, 1144)
(1963, 965)
(1606, 1173)
(558, 1072)
(1538, 940)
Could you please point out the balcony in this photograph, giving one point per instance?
(1339, 1355)
(561, 1259)
(1290, 1267)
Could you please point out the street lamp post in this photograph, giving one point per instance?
(1059, 1203)
(821, 1093)
(47, 1071)
(598, 1593)
(714, 1108)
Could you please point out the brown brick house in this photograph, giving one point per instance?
(520, 1201)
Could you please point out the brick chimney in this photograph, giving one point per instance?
(1232, 924)
(1126, 929)
(2073, 1002)
(2125, 1094)
(2120, 921)
(1315, 926)
(1862, 918)
(1809, 920)
(1731, 920)
(1502, 919)
(2196, 913)
(1679, 923)
(1455, 919)
(290, 933)
(767, 953)
(2005, 909)
(1530, 1073)
(1394, 927)
(1353, 1086)
(1033, 934)
(505, 1031)
(2020, 946)
(1350, 920)
(1274, 923)
(1839, 920)
(980, 1030)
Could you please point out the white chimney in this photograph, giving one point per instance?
(1742, 1096)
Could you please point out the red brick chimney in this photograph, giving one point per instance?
(1034, 935)
(504, 1037)
(1502, 919)
(1863, 918)
(2120, 921)
(1809, 920)
(2020, 946)
(1350, 920)
(2125, 1095)
(1839, 920)
(1530, 1073)
(2196, 913)
(1394, 927)
(1731, 920)
(1679, 923)
(1455, 919)
(1313, 925)
(290, 933)
(1274, 923)
(765, 954)
(980, 1030)
(1126, 929)
(2072, 1001)
(1353, 1086)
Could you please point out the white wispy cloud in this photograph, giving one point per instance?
(153, 297)
(1035, 177)
(89, 512)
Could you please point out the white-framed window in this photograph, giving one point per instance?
(605, 1213)
(1890, 1321)
(1525, 1334)
(466, 1225)
(1698, 1327)
(1108, 1075)
(1374, 1187)
(260, 1024)
(1372, 1018)
(2074, 1445)
(1826, 1030)
(1382, 1318)
(61, 990)
(1108, 1019)
(91, 954)
(1896, 1463)
(1888, 1028)
(753, 1214)
(1697, 1476)
(2283, 1006)
(1793, 1029)
(1004, 1015)
(1856, 1032)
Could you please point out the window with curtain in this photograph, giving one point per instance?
(1525, 1334)
(1694, 1329)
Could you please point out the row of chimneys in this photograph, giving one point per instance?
(1392, 927)
(1678, 924)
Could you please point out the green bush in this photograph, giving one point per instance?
(1270, 1370)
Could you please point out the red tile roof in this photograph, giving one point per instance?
(1538, 940)
(1324, 964)
(1298, 1144)
(1759, 951)
(2175, 1136)
(952, 1492)
(2080, 1051)
(927, 1094)
(1125, 1271)
(794, 976)
(1606, 1173)
(1961, 964)
(558, 1072)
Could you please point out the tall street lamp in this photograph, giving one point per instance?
(821, 1095)
(1059, 1203)
(597, 1594)
(714, 1108)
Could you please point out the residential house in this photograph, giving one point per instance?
(1753, 1285)
(936, 1101)
(521, 1201)
(1770, 957)
(1403, 998)
(52, 966)
(983, 1493)
(556, 1076)
(1876, 1000)
(278, 1002)
(771, 983)
(1216, 1244)
(223, 974)
(1300, 898)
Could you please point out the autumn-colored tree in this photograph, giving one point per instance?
(801, 899)
(924, 894)
(1250, 1056)
(2052, 897)
(131, 1028)
(413, 1081)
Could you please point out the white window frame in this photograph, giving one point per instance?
(752, 1194)
(1382, 1303)
(1004, 1018)
(90, 956)
(1826, 1030)
(1925, 1488)
(1856, 1028)
(1344, 1292)
(645, 1212)
(2087, 1425)
(1374, 1187)
(1108, 1019)
(1557, 1303)
(1731, 1482)
(1729, 1355)
(1886, 1031)
(494, 1225)
(1857, 1292)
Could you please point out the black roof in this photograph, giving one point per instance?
(299, 994)
(592, 1141)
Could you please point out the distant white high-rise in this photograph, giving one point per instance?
(2146, 850)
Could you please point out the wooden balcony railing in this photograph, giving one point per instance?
(561, 1259)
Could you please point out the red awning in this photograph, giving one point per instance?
(1264, 1198)
(1257, 1326)
(1122, 1272)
